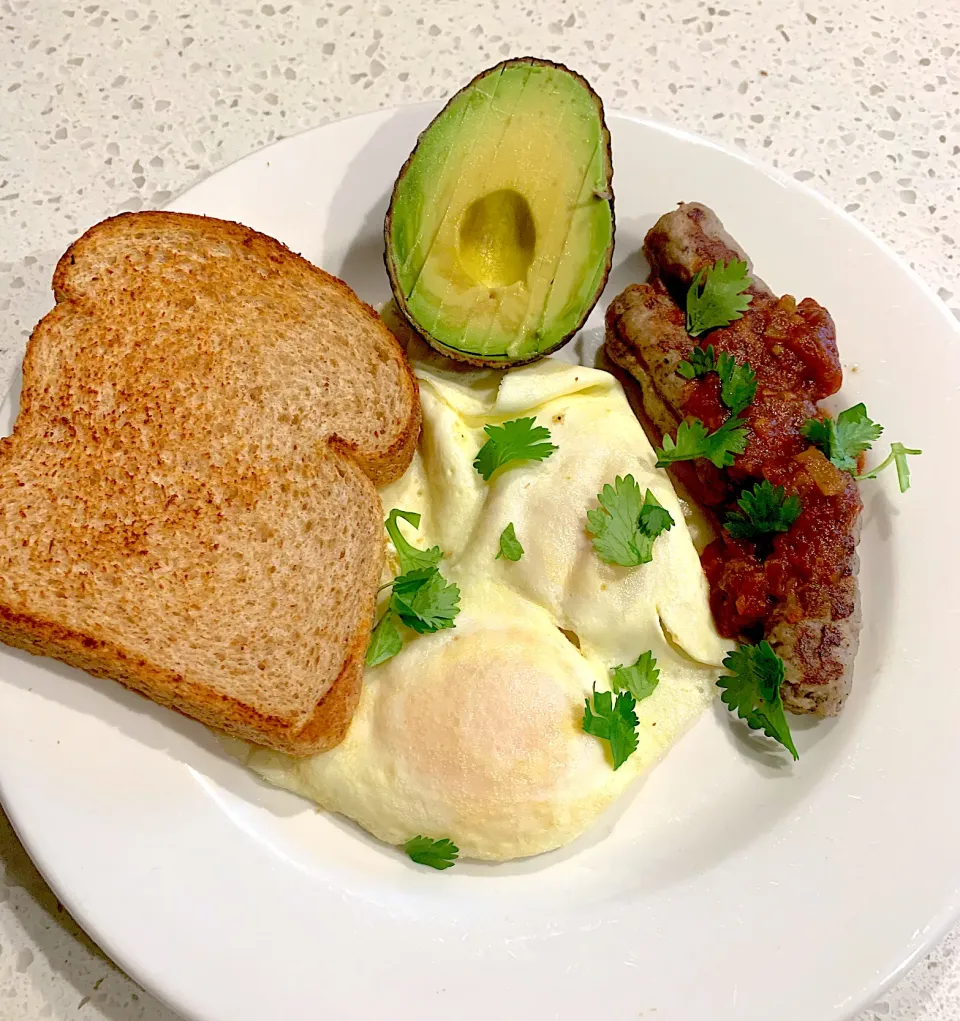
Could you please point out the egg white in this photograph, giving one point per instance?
(474, 733)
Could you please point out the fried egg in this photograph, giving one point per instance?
(474, 733)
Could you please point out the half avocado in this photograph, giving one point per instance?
(499, 235)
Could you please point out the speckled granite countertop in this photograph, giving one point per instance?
(122, 104)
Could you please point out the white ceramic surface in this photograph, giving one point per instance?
(729, 886)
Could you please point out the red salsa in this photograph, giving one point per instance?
(792, 349)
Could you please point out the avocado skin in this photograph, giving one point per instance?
(504, 361)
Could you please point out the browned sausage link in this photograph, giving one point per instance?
(689, 239)
(645, 310)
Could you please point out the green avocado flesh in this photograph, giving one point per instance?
(500, 231)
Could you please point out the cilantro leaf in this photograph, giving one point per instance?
(753, 691)
(764, 509)
(510, 548)
(843, 438)
(438, 854)
(519, 440)
(694, 441)
(615, 525)
(700, 362)
(856, 431)
(411, 558)
(738, 383)
(717, 296)
(898, 456)
(641, 679)
(625, 524)
(422, 598)
(615, 722)
(425, 601)
(654, 519)
(385, 642)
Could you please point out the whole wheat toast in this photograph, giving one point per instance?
(187, 500)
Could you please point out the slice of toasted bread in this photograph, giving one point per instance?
(187, 501)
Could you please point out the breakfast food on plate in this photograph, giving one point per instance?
(188, 502)
(731, 375)
(218, 441)
(567, 641)
(499, 235)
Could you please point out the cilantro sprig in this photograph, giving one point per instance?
(717, 296)
(612, 717)
(694, 440)
(421, 598)
(438, 854)
(623, 528)
(510, 548)
(852, 432)
(764, 510)
(614, 721)
(640, 679)
(519, 440)
(752, 691)
(842, 438)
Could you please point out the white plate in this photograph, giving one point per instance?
(730, 887)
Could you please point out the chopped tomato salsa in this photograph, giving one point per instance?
(792, 350)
